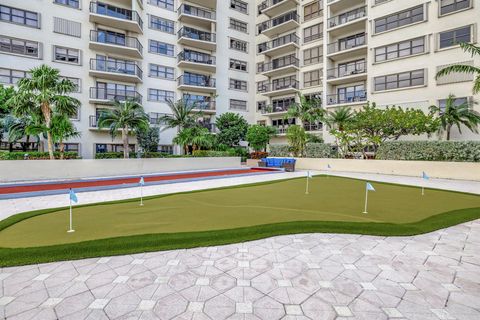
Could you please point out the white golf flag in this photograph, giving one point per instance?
(142, 182)
(370, 187)
(309, 174)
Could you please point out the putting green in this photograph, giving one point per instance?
(330, 199)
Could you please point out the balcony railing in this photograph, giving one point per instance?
(278, 42)
(109, 38)
(195, 34)
(196, 11)
(286, 61)
(313, 126)
(346, 70)
(347, 17)
(348, 43)
(114, 94)
(278, 84)
(196, 57)
(358, 96)
(116, 66)
(201, 105)
(115, 12)
(196, 80)
(274, 109)
(267, 4)
(290, 16)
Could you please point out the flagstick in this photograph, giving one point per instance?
(306, 190)
(141, 195)
(71, 222)
(423, 190)
(366, 200)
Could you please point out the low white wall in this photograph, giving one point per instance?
(435, 169)
(25, 170)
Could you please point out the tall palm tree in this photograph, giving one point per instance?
(462, 68)
(63, 129)
(339, 117)
(307, 110)
(183, 115)
(45, 92)
(125, 116)
(456, 115)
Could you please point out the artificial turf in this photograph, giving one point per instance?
(230, 215)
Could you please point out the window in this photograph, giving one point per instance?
(161, 48)
(442, 103)
(239, 6)
(19, 46)
(312, 55)
(10, 76)
(454, 37)
(67, 27)
(401, 49)
(399, 19)
(312, 78)
(238, 85)
(161, 24)
(280, 105)
(69, 3)
(238, 45)
(166, 4)
(163, 72)
(76, 82)
(19, 16)
(312, 33)
(449, 6)
(165, 148)
(160, 95)
(238, 65)
(240, 105)
(400, 80)
(312, 10)
(261, 105)
(68, 55)
(238, 25)
(114, 91)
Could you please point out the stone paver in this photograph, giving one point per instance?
(307, 276)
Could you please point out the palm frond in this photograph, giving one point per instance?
(457, 68)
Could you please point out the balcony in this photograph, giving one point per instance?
(343, 5)
(313, 127)
(196, 16)
(189, 59)
(202, 106)
(197, 39)
(210, 126)
(107, 96)
(348, 48)
(273, 8)
(116, 44)
(348, 22)
(120, 18)
(212, 4)
(197, 83)
(277, 87)
(349, 98)
(279, 46)
(279, 25)
(117, 70)
(279, 66)
(345, 73)
(274, 110)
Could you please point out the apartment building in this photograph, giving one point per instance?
(244, 56)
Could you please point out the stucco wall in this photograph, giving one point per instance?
(25, 170)
(446, 170)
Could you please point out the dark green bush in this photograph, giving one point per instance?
(34, 155)
(119, 155)
(312, 150)
(460, 151)
(279, 150)
(212, 153)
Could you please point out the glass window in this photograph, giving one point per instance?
(19, 16)
(312, 10)
(238, 105)
(456, 102)
(238, 45)
(399, 19)
(312, 55)
(312, 78)
(163, 72)
(161, 48)
(10, 76)
(69, 3)
(160, 95)
(454, 37)
(238, 65)
(400, 80)
(401, 49)
(238, 25)
(161, 24)
(68, 55)
(19, 46)
(166, 4)
(238, 85)
(449, 6)
(240, 6)
(312, 33)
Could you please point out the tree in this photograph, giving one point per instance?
(6, 93)
(45, 92)
(456, 115)
(232, 129)
(462, 68)
(259, 136)
(148, 139)
(62, 130)
(125, 116)
(18, 128)
(340, 117)
(307, 110)
(197, 137)
(183, 115)
(297, 139)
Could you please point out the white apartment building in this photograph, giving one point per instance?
(244, 56)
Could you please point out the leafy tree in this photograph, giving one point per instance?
(148, 139)
(6, 93)
(456, 116)
(339, 118)
(259, 136)
(183, 115)
(18, 128)
(45, 92)
(232, 129)
(297, 139)
(125, 116)
(462, 68)
(197, 137)
(307, 110)
(313, 138)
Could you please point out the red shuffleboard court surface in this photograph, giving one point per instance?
(16, 190)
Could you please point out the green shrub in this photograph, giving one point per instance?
(212, 153)
(35, 155)
(319, 150)
(461, 151)
(279, 150)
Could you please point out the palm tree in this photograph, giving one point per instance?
(297, 139)
(17, 128)
(63, 129)
(340, 117)
(125, 116)
(462, 68)
(456, 115)
(196, 136)
(307, 110)
(45, 92)
(183, 115)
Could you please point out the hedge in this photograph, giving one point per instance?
(35, 155)
(119, 155)
(460, 151)
(312, 150)
(213, 153)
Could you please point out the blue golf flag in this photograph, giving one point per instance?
(142, 182)
(73, 196)
(425, 176)
(370, 187)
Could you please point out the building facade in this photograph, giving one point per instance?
(243, 56)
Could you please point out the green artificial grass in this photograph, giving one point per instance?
(229, 215)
